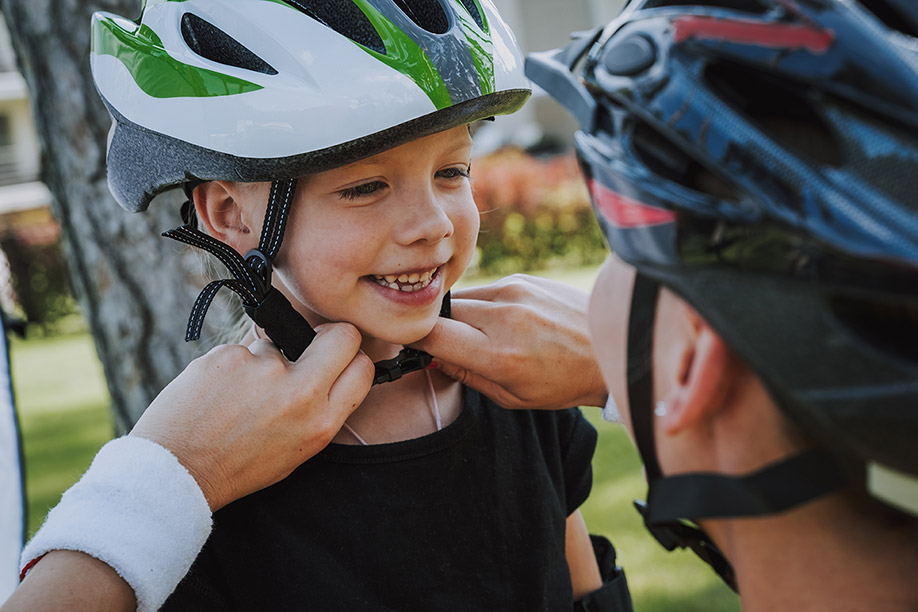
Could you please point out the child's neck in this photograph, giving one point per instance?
(401, 410)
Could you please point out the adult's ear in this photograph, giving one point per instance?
(706, 375)
(219, 210)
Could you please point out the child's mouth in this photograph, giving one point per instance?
(409, 283)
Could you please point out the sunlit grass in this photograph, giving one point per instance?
(64, 413)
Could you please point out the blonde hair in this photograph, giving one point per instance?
(239, 323)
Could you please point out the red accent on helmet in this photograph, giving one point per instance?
(778, 35)
(625, 212)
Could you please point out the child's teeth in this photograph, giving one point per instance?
(408, 283)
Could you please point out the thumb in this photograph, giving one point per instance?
(463, 344)
(350, 388)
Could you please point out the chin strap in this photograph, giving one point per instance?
(267, 306)
(408, 359)
(671, 500)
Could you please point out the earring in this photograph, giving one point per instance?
(660, 409)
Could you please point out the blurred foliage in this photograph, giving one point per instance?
(535, 214)
(41, 284)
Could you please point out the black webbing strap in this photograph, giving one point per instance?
(682, 534)
(640, 369)
(775, 488)
(673, 533)
(267, 306)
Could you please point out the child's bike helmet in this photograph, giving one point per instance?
(760, 159)
(270, 90)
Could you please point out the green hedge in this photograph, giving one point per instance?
(40, 280)
(535, 214)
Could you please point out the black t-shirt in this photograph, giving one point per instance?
(469, 518)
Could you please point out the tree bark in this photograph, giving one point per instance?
(134, 287)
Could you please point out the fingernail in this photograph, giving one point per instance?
(433, 366)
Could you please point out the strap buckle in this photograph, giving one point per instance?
(673, 534)
(408, 360)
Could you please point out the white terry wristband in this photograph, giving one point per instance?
(138, 510)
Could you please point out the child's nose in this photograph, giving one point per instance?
(422, 217)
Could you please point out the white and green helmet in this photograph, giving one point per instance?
(258, 90)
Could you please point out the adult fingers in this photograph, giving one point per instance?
(350, 388)
(458, 341)
(497, 393)
(513, 288)
(331, 351)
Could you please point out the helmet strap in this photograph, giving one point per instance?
(774, 488)
(264, 303)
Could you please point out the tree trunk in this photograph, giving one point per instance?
(135, 288)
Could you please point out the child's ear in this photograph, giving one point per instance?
(704, 379)
(220, 212)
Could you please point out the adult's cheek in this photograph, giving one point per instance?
(608, 320)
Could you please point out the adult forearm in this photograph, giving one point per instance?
(70, 580)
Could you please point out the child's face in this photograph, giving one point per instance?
(379, 242)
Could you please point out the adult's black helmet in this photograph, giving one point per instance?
(760, 159)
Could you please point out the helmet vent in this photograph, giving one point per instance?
(472, 7)
(345, 18)
(746, 6)
(427, 14)
(778, 109)
(900, 15)
(212, 43)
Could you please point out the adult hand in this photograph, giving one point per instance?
(522, 341)
(240, 419)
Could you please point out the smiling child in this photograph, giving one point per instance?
(327, 146)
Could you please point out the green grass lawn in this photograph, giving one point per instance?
(63, 407)
(64, 412)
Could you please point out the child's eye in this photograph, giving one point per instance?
(455, 172)
(363, 190)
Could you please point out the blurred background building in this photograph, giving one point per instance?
(540, 25)
(25, 213)
(20, 189)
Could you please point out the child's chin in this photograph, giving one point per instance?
(402, 334)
